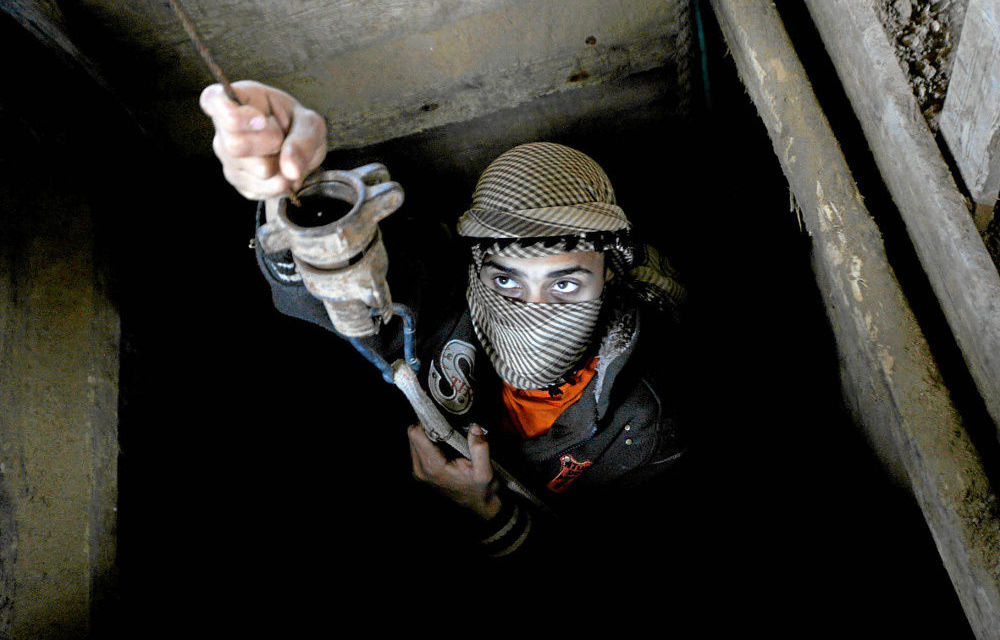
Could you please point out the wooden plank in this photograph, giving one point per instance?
(889, 373)
(970, 118)
(947, 243)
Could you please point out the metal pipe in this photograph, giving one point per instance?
(409, 334)
(438, 429)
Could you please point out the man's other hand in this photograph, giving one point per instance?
(268, 144)
(468, 482)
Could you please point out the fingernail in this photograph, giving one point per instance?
(476, 430)
(258, 123)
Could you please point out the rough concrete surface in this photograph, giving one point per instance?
(375, 70)
(59, 336)
(58, 406)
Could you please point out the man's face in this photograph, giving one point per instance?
(564, 277)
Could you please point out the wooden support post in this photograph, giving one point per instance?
(935, 214)
(889, 373)
(970, 119)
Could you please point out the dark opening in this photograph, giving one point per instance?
(317, 210)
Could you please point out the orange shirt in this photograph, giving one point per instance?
(532, 412)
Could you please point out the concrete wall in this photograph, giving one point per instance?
(59, 342)
(58, 409)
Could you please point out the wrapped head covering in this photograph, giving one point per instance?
(542, 190)
(536, 200)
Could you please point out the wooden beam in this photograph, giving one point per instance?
(948, 245)
(970, 119)
(888, 371)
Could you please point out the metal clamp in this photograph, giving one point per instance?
(342, 261)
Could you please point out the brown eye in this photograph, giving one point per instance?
(504, 282)
(566, 286)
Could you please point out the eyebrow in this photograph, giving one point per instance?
(500, 267)
(565, 272)
(552, 274)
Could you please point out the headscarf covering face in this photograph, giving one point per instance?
(537, 200)
(532, 345)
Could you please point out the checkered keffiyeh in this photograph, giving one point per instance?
(542, 189)
(532, 345)
(536, 200)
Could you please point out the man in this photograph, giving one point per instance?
(541, 351)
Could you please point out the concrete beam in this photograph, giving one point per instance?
(888, 373)
(58, 414)
(381, 70)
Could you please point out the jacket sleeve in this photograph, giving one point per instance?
(519, 534)
(508, 530)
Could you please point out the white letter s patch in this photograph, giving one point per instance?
(451, 386)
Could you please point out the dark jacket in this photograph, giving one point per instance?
(620, 433)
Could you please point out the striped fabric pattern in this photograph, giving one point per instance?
(532, 345)
(536, 200)
(508, 530)
(542, 189)
(654, 280)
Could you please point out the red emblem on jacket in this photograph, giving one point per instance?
(570, 471)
